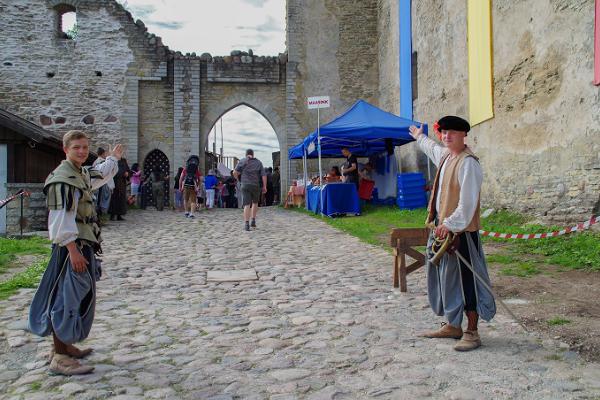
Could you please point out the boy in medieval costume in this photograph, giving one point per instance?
(454, 207)
(64, 303)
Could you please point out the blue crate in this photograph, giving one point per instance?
(411, 204)
(409, 177)
(412, 196)
(417, 184)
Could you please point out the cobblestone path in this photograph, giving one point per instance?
(321, 322)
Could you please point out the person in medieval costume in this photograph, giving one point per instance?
(118, 200)
(104, 193)
(454, 207)
(64, 303)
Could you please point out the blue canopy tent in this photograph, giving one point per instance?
(363, 128)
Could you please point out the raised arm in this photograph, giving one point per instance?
(430, 147)
(109, 168)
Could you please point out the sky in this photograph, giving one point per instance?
(218, 27)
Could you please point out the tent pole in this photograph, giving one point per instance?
(319, 144)
(304, 166)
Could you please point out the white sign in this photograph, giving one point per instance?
(318, 102)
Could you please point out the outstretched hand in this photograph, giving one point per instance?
(415, 132)
(117, 152)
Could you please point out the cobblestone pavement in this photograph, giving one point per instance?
(321, 322)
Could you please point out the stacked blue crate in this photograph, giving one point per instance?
(411, 191)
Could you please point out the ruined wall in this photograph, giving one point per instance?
(541, 151)
(89, 83)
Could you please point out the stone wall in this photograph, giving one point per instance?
(333, 50)
(388, 45)
(34, 209)
(541, 151)
(156, 119)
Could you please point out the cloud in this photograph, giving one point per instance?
(143, 10)
(256, 3)
(170, 25)
(270, 25)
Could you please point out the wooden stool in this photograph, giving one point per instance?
(402, 240)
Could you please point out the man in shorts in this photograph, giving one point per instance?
(250, 172)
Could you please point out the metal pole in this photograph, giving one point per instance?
(21, 221)
(304, 167)
(221, 139)
(319, 144)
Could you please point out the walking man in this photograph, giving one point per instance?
(65, 301)
(252, 173)
(454, 207)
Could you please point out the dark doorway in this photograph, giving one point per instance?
(155, 158)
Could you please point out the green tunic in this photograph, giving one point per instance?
(59, 189)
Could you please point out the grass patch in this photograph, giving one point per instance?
(10, 248)
(557, 321)
(25, 279)
(579, 250)
(499, 258)
(522, 269)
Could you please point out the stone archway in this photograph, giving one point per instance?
(267, 107)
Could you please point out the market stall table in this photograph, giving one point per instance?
(333, 199)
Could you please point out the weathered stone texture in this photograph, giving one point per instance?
(34, 209)
(388, 45)
(334, 44)
(73, 84)
(541, 151)
(156, 119)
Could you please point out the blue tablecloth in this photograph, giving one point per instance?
(338, 198)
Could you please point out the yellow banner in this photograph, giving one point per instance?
(479, 40)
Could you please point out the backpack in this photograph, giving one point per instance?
(191, 168)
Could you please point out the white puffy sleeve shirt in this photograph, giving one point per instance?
(470, 177)
(62, 228)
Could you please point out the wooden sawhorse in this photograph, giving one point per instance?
(402, 240)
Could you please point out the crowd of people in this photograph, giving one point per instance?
(193, 191)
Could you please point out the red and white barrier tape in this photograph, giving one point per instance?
(579, 227)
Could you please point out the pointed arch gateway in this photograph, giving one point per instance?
(271, 108)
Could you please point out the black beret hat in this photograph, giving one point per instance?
(453, 123)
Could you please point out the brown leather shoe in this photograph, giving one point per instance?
(74, 352)
(78, 353)
(446, 331)
(62, 364)
(470, 341)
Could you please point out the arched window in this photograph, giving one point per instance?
(66, 17)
